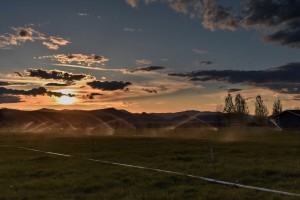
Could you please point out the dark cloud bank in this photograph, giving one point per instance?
(56, 75)
(148, 69)
(33, 92)
(108, 85)
(9, 99)
(283, 79)
(281, 18)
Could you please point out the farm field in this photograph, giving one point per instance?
(256, 157)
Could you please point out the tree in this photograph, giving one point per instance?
(277, 107)
(241, 108)
(261, 111)
(229, 107)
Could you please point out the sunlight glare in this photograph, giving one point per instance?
(66, 100)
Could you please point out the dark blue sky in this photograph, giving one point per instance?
(133, 34)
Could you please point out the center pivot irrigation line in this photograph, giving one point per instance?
(210, 180)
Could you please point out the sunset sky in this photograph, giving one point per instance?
(148, 55)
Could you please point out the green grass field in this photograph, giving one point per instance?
(264, 158)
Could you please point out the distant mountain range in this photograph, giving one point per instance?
(100, 120)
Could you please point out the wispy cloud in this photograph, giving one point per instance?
(132, 3)
(127, 29)
(143, 62)
(82, 14)
(59, 41)
(199, 51)
(148, 69)
(57, 84)
(150, 91)
(5, 83)
(205, 63)
(124, 71)
(24, 34)
(51, 46)
(18, 74)
(79, 59)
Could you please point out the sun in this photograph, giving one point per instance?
(66, 100)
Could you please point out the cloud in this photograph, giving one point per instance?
(59, 41)
(199, 51)
(92, 95)
(150, 90)
(32, 92)
(282, 16)
(51, 46)
(217, 17)
(234, 90)
(124, 71)
(108, 86)
(205, 62)
(57, 84)
(24, 34)
(2, 83)
(82, 14)
(18, 74)
(57, 75)
(283, 79)
(9, 99)
(132, 3)
(279, 18)
(131, 29)
(143, 62)
(148, 69)
(81, 59)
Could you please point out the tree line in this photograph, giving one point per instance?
(236, 111)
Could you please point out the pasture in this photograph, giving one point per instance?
(252, 156)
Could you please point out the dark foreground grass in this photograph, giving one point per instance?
(263, 158)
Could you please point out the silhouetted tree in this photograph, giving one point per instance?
(277, 107)
(261, 111)
(241, 108)
(229, 108)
